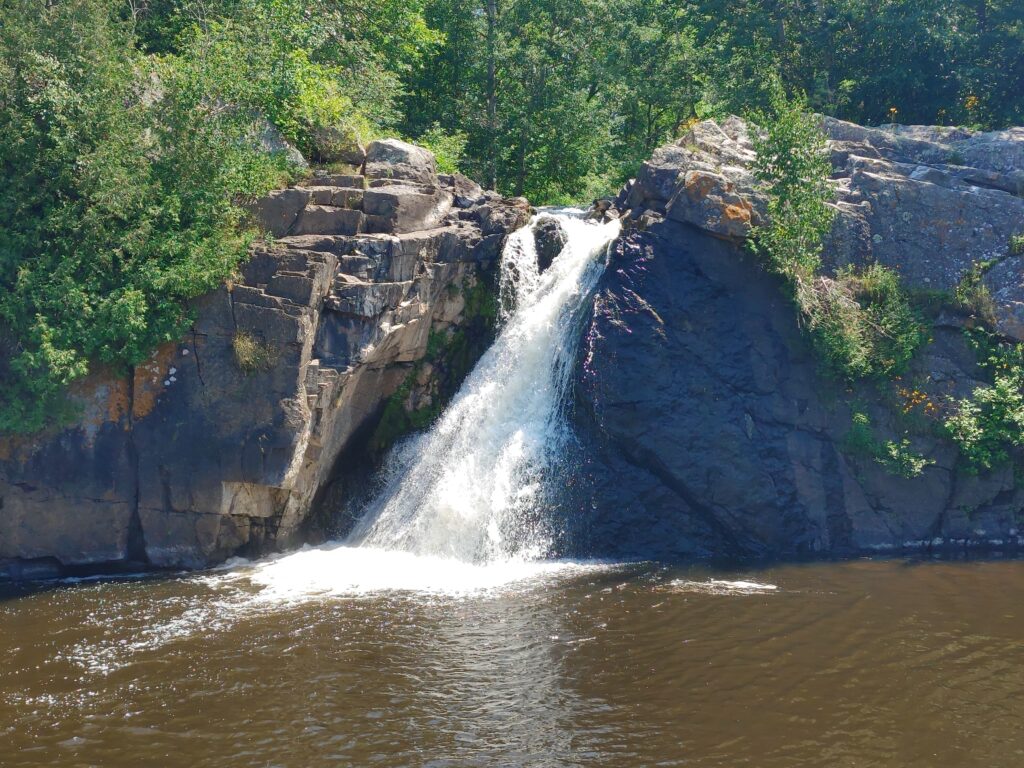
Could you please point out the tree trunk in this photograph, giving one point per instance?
(492, 95)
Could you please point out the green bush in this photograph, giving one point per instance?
(792, 159)
(1017, 245)
(990, 423)
(972, 294)
(448, 148)
(861, 323)
(124, 173)
(898, 458)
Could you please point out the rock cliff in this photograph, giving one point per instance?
(221, 442)
(707, 429)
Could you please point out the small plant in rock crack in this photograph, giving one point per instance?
(252, 354)
(898, 458)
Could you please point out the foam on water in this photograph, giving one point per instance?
(463, 506)
(721, 587)
(343, 570)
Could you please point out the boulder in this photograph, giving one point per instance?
(399, 160)
(338, 144)
(549, 238)
(271, 140)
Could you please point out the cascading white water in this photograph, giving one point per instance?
(467, 495)
(470, 486)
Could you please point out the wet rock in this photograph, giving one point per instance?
(550, 238)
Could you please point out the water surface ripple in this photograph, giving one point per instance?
(867, 663)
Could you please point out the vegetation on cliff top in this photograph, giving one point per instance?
(860, 321)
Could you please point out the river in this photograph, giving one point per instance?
(865, 663)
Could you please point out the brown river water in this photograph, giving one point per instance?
(865, 663)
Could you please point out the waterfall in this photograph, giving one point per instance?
(470, 493)
(470, 488)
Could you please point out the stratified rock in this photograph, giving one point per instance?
(191, 459)
(278, 211)
(403, 208)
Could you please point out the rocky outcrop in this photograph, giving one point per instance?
(931, 203)
(707, 429)
(219, 444)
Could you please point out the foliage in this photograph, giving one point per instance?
(990, 423)
(559, 97)
(973, 295)
(898, 458)
(1017, 245)
(119, 203)
(861, 322)
(449, 148)
(792, 159)
(251, 354)
(134, 130)
(134, 134)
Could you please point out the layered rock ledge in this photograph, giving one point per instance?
(202, 453)
(707, 428)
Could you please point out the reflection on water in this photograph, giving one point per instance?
(869, 663)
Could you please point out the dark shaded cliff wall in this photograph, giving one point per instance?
(707, 428)
(710, 432)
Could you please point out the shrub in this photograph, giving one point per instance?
(117, 198)
(898, 458)
(1017, 245)
(861, 323)
(252, 355)
(973, 295)
(987, 425)
(448, 148)
(792, 159)
(123, 174)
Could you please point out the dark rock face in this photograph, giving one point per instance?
(550, 238)
(190, 459)
(706, 427)
(710, 433)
